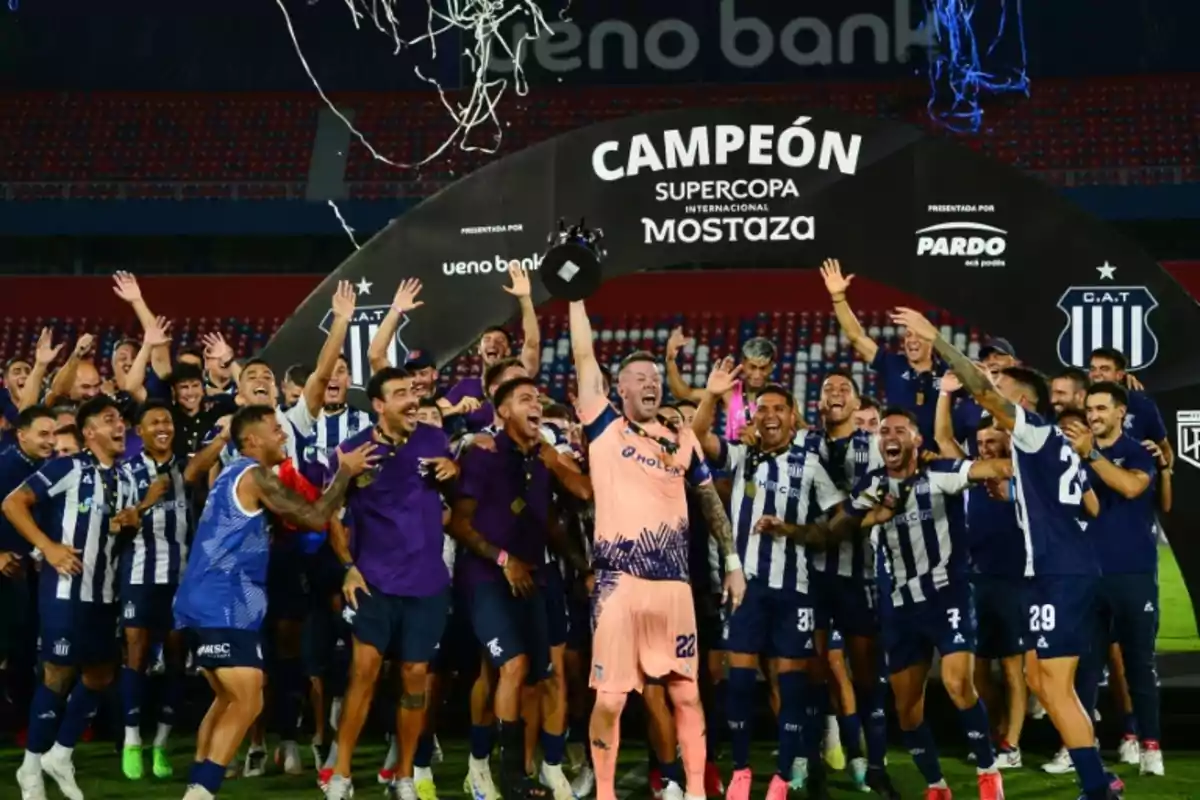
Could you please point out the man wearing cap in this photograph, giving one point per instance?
(995, 355)
(423, 368)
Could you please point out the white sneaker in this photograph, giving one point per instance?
(256, 763)
(1129, 752)
(1152, 763)
(57, 764)
(29, 778)
(438, 755)
(584, 784)
(551, 776)
(1036, 709)
(1060, 764)
(197, 792)
(799, 773)
(672, 791)
(339, 788)
(287, 755)
(1008, 759)
(403, 789)
(479, 782)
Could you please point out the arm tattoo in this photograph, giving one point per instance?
(972, 379)
(718, 521)
(293, 508)
(462, 529)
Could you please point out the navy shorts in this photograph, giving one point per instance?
(848, 604)
(75, 634)
(459, 650)
(1061, 615)
(1002, 611)
(220, 648)
(319, 637)
(710, 622)
(148, 606)
(1128, 610)
(558, 622)
(16, 617)
(289, 594)
(510, 626)
(835, 641)
(404, 629)
(944, 622)
(776, 623)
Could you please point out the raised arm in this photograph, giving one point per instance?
(318, 381)
(587, 369)
(200, 466)
(973, 379)
(125, 286)
(989, 469)
(531, 345)
(403, 301)
(943, 419)
(720, 381)
(837, 285)
(61, 385)
(135, 379)
(291, 507)
(44, 356)
(675, 382)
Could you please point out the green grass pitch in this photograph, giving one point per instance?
(100, 777)
(1177, 621)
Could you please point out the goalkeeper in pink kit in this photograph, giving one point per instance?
(643, 616)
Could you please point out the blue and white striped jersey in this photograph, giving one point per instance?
(925, 544)
(1050, 486)
(791, 485)
(157, 554)
(330, 430)
(225, 585)
(847, 461)
(77, 497)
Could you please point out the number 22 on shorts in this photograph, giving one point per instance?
(685, 646)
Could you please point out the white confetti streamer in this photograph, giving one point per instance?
(480, 20)
(337, 212)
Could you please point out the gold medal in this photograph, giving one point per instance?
(751, 489)
(364, 480)
(518, 505)
(920, 398)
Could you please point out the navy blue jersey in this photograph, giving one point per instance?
(77, 498)
(158, 552)
(924, 544)
(966, 417)
(847, 461)
(907, 388)
(1125, 533)
(15, 468)
(1050, 483)
(1143, 420)
(997, 541)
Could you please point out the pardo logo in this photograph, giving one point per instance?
(483, 266)
(745, 42)
(982, 245)
(795, 146)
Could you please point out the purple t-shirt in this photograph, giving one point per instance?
(481, 417)
(395, 516)
(512, 495)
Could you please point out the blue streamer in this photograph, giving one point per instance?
(965, 63)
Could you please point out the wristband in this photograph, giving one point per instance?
(349, 565)
(502, 559)
(732, 563)
(839, 298)
(1094, 455)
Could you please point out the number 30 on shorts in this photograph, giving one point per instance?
(1041, 618)
(685, 646)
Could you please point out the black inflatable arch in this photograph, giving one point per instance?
(764, 186)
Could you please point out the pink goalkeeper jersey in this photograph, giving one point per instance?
(738, 412)
(641, 505)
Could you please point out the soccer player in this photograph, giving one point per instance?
(997, 550)
(150, 565)
(643, 620)
(292, 387)
(910, 379)
(1052, 495)
(65, 510)
(222, 597)
(1142, 418)
(866, 416)
(396, 582)
(504, 517)
(1125, 535)
(1068, 389)
(843, 579)
(34, 444)
(778, 488)
(928, 606)
(758, 363)
(494, 345)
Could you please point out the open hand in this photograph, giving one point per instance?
(405, 298)
(359, 460)
(519, 576)
(343, 300)
(47, 351)
(352, 584)
(915, 323)
(724, 374)
(836, 283)
(676, 342)
(125, 286)
(520, 280)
